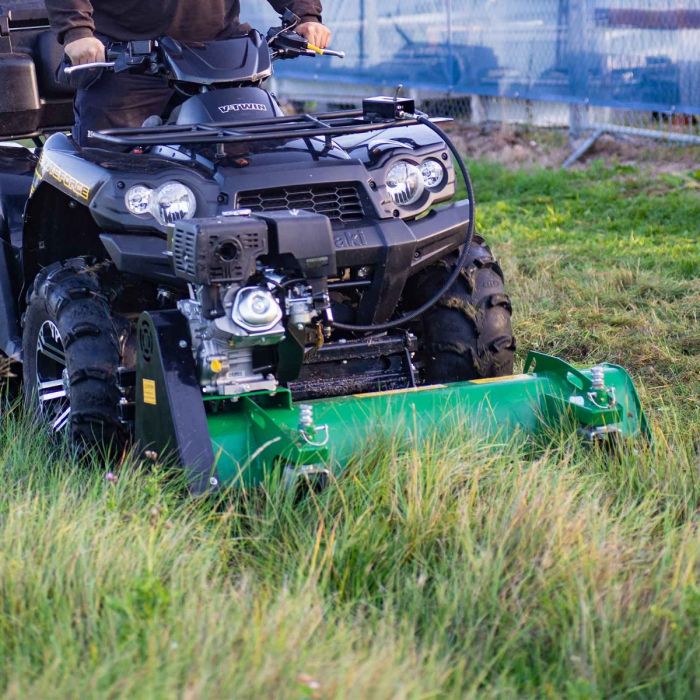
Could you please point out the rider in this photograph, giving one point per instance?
(126, 99)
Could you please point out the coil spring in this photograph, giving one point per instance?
(597, 378)
(306, 416)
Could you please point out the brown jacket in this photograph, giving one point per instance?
(186, 20)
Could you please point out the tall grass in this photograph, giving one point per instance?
(445, 568)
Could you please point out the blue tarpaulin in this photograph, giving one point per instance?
(637, 54)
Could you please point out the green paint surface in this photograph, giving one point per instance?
(259, 432)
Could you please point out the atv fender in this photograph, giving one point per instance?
(17, 166)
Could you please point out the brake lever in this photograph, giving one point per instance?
(325, 52)
(69, 70)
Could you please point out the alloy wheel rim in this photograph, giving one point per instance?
(53, 391)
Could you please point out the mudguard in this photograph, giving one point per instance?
(17, 165)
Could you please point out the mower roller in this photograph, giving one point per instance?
(241, 292)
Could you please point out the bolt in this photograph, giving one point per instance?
(300, 326)
(183, 344)
(213, 481)
(445, 156)
(120, 185)
(372, 185)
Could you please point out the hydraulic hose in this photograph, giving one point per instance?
(461, 261)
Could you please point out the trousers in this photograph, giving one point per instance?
(118, 100)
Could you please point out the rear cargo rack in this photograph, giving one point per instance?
(328, 125)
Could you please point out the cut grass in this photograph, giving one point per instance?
(441, 569)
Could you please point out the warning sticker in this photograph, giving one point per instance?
(149, 392)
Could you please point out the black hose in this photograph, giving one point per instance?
(461, 261)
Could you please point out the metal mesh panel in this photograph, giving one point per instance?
(341, 203)
(641, 55)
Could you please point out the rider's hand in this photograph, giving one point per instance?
(86, 50)
(315, 33)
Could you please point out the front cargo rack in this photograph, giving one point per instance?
(328, 125)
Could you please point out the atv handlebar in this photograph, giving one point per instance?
(286, 43)
(283, 42)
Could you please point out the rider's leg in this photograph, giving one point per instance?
(118, 99)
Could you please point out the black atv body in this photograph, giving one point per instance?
(274, 236)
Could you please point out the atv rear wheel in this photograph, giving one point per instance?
(71, 356)
(468, 333)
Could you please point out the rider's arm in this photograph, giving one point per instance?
(311, 27)
(72, 22)
(307, 10)
(71, 19)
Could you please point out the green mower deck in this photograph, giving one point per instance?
(238, 441)
(259, 432)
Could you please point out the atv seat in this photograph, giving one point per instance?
(32, 101)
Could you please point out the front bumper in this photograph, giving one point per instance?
(394, 248)
(397, 249)
(426, 240)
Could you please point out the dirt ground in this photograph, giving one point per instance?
(522, 146)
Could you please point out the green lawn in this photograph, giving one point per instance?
(443, 569)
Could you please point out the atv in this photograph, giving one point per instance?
(238, 290)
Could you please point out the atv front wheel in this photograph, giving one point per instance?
(468, 333)
(71, 356)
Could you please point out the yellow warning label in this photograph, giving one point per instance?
(149, 392)
(509, 378)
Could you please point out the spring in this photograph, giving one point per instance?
(306, 415)
(597, 378)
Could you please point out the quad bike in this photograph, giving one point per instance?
(237, 290)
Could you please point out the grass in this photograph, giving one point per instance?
(443, 569)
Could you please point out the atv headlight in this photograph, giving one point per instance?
(433, 173)
(138, 199)
(172, 202)
(404, 182)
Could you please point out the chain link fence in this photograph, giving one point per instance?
(589, 65)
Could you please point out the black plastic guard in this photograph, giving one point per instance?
(170, 416)
(10, 331)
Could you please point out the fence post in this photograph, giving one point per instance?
(579, 56)
(369, 32)
(450, 46)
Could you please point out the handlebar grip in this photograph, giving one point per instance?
(69, 70)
